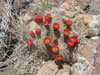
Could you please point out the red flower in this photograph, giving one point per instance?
(29, 43)
(46, 23)
(47, 40)
(66, 32)
(59, 57)
(48, 17)
(56, 25)
(38, 31)
(55, 40)
(55, 48)
(78, 41)
(32, 34)
(69, 22)
(72, 39)
(38, 18)
(70, 43)
(76, 35)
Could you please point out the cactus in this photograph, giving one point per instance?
(61, 30)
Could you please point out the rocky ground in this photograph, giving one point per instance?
(23, 62)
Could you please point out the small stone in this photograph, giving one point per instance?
(49, 68)
(98, 60)
(65, 5)
(88, 18)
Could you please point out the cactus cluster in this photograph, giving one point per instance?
(52, 39)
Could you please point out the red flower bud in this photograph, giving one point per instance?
(46, 23)
(55, 40)
(38, 31)
(32, 34)
(76, 35)
(47, 40)
(59, 57)
(29, 43)
(78, 41)
(56, 25)
(55, 48)
(69, 22)
(66, 32)
(38, 18)
(48, 17)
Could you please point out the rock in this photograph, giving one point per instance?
(30, 26)
(95, 25)
(87, 47)
(25, 17)
(98, 60)
(33, 25)
(85, 63)
(96, 70)
(20, 3)
(83, 66)
(65, 70)
(65, 5)
(76, 73)
(50, 68)
(94, 6)
(83, 3)
(80, 3)
(93, 22)
(88, 18)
